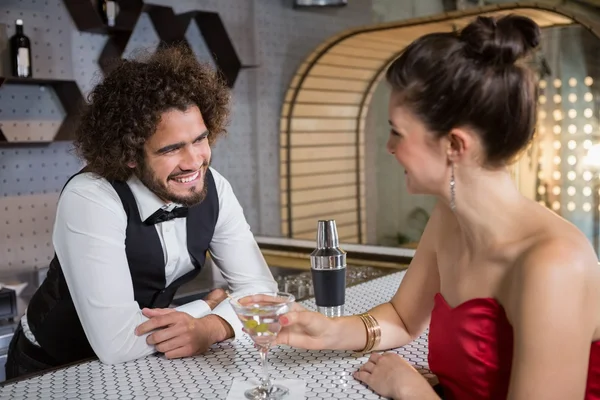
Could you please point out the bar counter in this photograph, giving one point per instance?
(327, 374)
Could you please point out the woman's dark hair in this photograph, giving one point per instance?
(125, 108)
(474, 78)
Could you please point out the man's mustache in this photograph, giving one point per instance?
(173, 176)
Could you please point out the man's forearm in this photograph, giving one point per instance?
(222, 329)
(219, 329)
(215, 297)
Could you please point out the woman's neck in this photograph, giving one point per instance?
(489, 208)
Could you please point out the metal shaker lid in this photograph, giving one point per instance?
(328, 254)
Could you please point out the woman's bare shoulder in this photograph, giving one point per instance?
(560, 257)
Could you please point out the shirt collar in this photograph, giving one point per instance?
(147, 202)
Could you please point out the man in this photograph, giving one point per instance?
(137, 222)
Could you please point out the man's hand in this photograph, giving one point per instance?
(178, 334)
(215, 297)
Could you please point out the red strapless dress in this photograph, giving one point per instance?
(470, 351)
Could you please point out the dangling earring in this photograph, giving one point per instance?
(452, 189)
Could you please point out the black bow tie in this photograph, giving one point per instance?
(164, 215)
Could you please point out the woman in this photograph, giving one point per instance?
(509, 290)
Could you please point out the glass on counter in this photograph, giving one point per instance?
(259, 313)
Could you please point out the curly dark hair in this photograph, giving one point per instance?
(123, 111)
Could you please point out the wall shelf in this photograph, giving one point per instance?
(218, 42)
(70, 97)
(87, 19)
(169, 27)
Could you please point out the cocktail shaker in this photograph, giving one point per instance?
(328, 267)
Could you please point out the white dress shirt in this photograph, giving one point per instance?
(89, 240)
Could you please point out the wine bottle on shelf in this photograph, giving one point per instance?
(20, 52)
(108, 11)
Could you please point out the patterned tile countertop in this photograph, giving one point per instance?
(327, 374)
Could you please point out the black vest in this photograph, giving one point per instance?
(51, 313)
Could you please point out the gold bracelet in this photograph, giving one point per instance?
(365, 319)
(377, 333)
(373, 332)
(371, 324)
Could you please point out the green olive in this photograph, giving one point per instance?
(250, 324)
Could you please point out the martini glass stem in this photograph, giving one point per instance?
(265, 383)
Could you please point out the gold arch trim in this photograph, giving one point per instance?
(322, 170)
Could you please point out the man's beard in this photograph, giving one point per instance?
(149, 179)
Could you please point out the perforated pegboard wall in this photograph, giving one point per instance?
(267, 33)
(31, 171)
(26, 239)
(30, 112)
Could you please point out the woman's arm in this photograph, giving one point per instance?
(408, 313)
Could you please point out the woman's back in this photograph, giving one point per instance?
(495, 269)
(471, 336)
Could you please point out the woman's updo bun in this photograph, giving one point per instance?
(472, 79)
(500, 42)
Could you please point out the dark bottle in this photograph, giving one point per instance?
(108, 11)
(20, 51)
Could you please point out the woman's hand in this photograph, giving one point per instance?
(389, 375)
(306, 329)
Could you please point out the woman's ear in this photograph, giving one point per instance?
(459, 142)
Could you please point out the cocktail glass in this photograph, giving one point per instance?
(259, 313)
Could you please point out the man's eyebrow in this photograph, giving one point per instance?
(176, 146)
(202, 135)
(170, 147)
